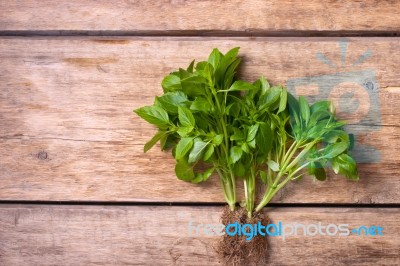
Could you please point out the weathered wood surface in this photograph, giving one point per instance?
(94, 235)
(207, 16)
(68, 132)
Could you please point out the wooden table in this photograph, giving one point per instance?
(75, 186)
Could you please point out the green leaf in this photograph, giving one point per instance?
(217, 140)
(294, 109)
(184, 131)
(264, 138)
(202, 177)
(201, 104)
(197, 151)
(333, 150)
(184, 74)
(185, 117)
(318, 116)
(163, 142)
(153, 141)
(317, 131)
(335, 135)
(264, 85)
(171, 100)
(194, 85)
(226, 68)
(233, 109)
(209, 152)
(183, 147)
(316, 169)
(271, 98)
(154, 115)
(283, 101)
(320, 106)
(232, 53)
(214, 58)
(245, 147)
(274, 166)
(240, 86)
(190, 67)
(304, 109)
(237, 135)
(235, 154)
(252, 143)
(184, 170)
(171, 83)
(251, 133)
(230, 72)
(208, 73)
(345, 165)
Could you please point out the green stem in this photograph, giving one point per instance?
(232, 182)
(289, 154)
(249, 184)
(229, 194)
(288, 164)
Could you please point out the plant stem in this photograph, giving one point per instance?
(249, 185)
(287, 165)
(230, 184)
(229, 194)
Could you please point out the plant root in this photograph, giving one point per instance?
(236, 250)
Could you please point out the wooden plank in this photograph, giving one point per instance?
(68, 132)
(207, 16)
(146, 235)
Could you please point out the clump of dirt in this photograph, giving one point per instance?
(236, 250)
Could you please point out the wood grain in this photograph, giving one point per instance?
(95, 235)
(199, 17)
(68, 132)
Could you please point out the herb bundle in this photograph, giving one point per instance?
(244, 131)
(214, 123)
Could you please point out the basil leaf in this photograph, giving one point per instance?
(217, 140)
(202, 177)
(185, 117)
(197, 151)
(183, 147)
(316, 169)
(215, 58)
(240, 86)
(184, 170)
(304, 109)
(273, 165)
(320, 106)
(209, 152)
(345, 165)
(235, 154)
(264, 85)
(283, 101)
(154, 115)
(171, 100)
(333, 150)
(251, 133)
(171, 83)
(153, 141)
(201, 104)
(264, 138)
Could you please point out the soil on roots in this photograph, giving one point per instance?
(236, 250)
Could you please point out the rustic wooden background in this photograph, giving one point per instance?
(75, 186)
